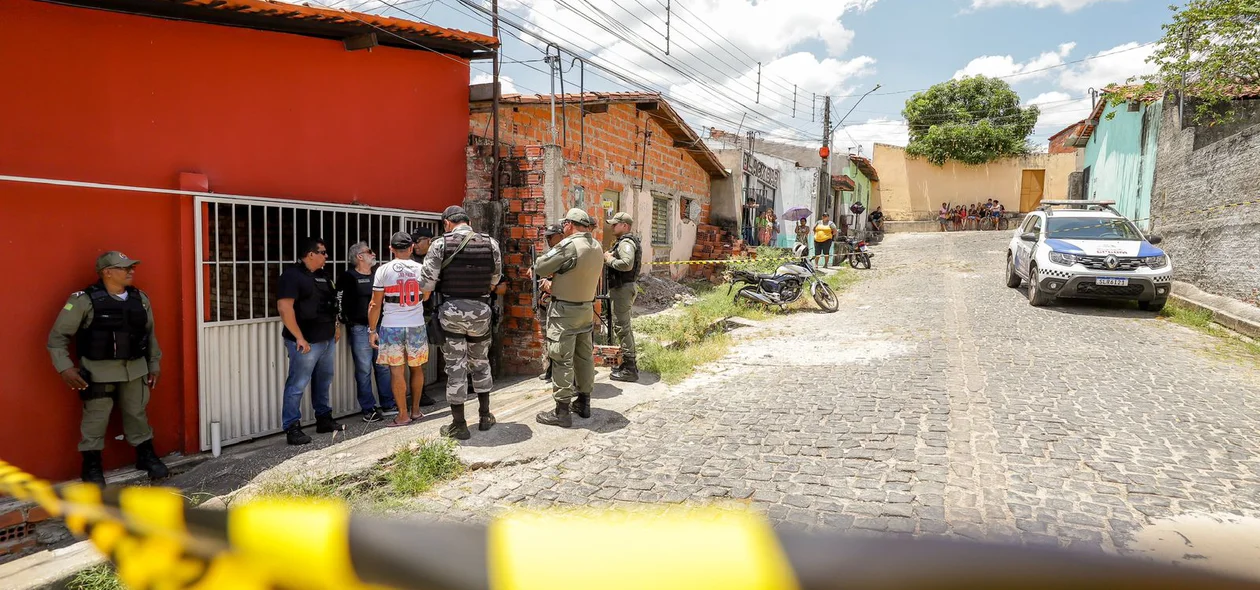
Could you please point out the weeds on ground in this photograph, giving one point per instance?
(1229, 345)
(409, 472)
(679, 342)
(97, 577)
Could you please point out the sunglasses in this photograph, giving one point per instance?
(322, 252)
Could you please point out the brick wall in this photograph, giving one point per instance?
(614, 143)
(1197, 168)
(26, 527)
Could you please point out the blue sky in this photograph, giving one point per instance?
(836, 47)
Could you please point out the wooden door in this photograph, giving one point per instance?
(1031, 190)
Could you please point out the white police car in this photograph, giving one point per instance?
(1087, 250)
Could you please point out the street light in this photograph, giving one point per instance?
(846, 115)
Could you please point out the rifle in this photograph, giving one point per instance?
(533, 258)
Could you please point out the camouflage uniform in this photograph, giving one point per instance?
(466, 324)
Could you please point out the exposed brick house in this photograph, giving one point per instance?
(609, 152)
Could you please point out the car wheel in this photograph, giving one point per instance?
(1012, 278)
(1036, 297)
(1155, 306)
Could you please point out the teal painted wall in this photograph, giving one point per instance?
(1120, 157)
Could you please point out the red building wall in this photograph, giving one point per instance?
(105, 97)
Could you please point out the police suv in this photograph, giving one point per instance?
(1087, 250)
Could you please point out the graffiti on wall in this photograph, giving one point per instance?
(760, 170)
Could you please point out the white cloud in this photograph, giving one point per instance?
(1111, 66)
(1059, 109)
(505, 82)
(866, 135)
(1064, 5)
(1005, 66)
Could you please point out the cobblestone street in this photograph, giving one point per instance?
(935, 402)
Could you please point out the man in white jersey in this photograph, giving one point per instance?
(396, 327)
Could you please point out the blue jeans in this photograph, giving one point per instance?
(314, 368)
(364, 365)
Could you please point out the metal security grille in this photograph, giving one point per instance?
(244, 246)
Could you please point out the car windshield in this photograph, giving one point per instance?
(1091, 228)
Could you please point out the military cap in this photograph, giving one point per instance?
(114, 259)
(621, 217)
(579, 217)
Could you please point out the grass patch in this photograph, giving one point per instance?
(691, 333)
(409, 472)
(97, 577)
(1229, 345)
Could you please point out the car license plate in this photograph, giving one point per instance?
(1111, 282)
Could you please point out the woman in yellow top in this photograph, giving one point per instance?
(824, 232)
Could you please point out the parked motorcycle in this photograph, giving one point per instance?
(786, 285)
(859, 253)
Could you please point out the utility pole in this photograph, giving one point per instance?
(824, 173)
(494, 103)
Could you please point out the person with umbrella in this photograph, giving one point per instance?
(801, 216)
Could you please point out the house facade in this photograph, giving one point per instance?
(206, 139)
(1120, 141)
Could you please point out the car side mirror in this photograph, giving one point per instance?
(1154, 239)
(1028, 236)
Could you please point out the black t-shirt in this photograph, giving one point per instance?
(356, 293)
(876, 215)
(314, 302)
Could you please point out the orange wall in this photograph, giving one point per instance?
(104, 97)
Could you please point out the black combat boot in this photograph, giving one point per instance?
(628, 371)
(147, 461)
(295, 435)
(483, 412)
(92, 472)
(458, 428)
(581, 405)
(557, 417)
(325, 423)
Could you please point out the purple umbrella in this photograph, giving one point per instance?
(797, 213)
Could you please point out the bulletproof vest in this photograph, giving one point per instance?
(468, 273)
(618, 278)
(578, 284)
(118, 330)
(321, 306)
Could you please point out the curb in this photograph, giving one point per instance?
(1235, 315)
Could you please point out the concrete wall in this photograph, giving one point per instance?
(1120, 157)
(912, 189)
(1198, 168)
(798, 187)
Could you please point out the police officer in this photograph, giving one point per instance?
(464, 267)
(421, 238)
(112, 325)
(623, 264)
(552, 234)
(306, 299)
(574, 267)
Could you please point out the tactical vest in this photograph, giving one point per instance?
(578, 284)
(119, 329)
(619, 278)
(468, 273)
(321, 306)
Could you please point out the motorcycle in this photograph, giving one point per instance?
(786, 285)
(859, 253)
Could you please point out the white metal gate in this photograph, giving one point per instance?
(243, 244)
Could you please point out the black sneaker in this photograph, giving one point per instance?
(326, 423)
(373, 416)
(425, 400)
(389, 412)
(295, 436)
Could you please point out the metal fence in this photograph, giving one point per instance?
(244, 244)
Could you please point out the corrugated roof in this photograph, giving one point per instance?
(305, 19)
(684, 137)
(842, 182)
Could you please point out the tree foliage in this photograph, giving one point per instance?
(974, 120)
(1209, 51)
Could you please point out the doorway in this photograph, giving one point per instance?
(609, 202)
(1031, 189)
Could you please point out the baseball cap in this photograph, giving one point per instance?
(114, 259)
(621, 217)
(579, 217)
(400, 240)
(421, 233)
(553, 229)
(454, 211)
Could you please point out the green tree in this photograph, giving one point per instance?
(1209, 50)
(974, 120)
